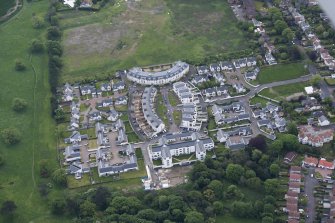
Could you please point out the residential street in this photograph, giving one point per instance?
(310, 183)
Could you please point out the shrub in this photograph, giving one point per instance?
(19, 66)
(19, 105)
(37, 46)
(37, 22)
(11, 136)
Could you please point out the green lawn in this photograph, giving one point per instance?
(19, 177)
(281, 72)
(161, 109)
(230, 219)
(179, 30)
(281, 92)
(330, 81)
(173, 99)
(258, 99)
(177, 117)
(5, 5)
(133, 138)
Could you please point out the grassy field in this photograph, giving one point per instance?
(281, 92)
(5, 5)
(161, 109)
(281, 72)
(19, 177)
(145, 33)
(257, 99)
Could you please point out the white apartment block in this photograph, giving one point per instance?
(177, 71)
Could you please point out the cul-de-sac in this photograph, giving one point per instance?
(161, 111)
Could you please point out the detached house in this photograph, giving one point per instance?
(87, 89)
(119, 86)
(75, 137)
(122, 100)
(105, 87)
(202, 70)
(215, 68)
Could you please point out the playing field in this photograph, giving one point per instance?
(19, 176)
(147, 32)
(281, 72)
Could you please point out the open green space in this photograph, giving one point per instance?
(19, 177)
(281, 92)
(161, 109)
(257, 99)
(5, 5)
(173, 99)
(281, 72)
(146, 33)
(177, 117)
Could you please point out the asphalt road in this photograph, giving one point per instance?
(310, 183)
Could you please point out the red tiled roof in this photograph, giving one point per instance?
(294, 185)
(311, 160)
(295, 177)
(292, 194)
(291, 200)
(326, 164)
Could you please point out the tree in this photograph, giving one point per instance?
(256, 155)
(19, 104)
(2, 159)
(8, 207)
(58, 206)
(280, 25)
(267, 219)
(11, 136)
(290, 142)
(54, 48)
(234, 172)
(218, 207)
(315, 81)
(242, 209)
(59, 114)
(288, 34)
(59, 177)
(258, 142)
(233, 192)
(254, 183)
(37, 22)
(101, 198)
(209, 195)
(276, 146)
(37, 46)
(45, 168)
(271, 186)
(292, 129)
(19, 65)
(148, 214)
(194, 217)
(216, 186)
(54, 33)
(274, 169)
(320, 29)
(87, 209)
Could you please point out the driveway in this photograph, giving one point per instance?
(310, 184)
